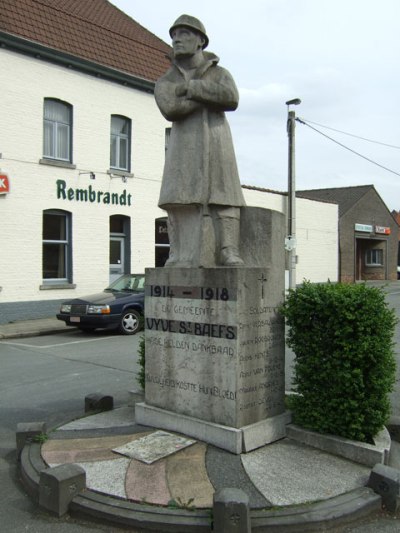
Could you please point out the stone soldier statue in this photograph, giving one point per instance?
(200, 188)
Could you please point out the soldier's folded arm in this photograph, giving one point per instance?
(173, 107)
(222, 93)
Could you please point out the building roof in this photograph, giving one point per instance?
(345, 197)
(284, 193)
(261, 189)
(93, 30)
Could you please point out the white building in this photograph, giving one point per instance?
(316, 233)
(82, 149)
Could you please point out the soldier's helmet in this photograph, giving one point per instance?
(193, 24)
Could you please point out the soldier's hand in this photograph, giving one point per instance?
(181, 89)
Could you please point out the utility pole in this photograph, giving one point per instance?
(290, 242)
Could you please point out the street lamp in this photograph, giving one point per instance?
(290, 242)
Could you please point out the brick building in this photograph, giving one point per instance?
(368, 233)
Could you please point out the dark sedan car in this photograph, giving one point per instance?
(120, 306)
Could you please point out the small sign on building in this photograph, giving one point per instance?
(382, 229)
(4, 183)
(365, 228)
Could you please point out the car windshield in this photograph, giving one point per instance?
(128, 283)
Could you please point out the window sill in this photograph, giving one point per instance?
(119, 173)
(56, 163)
(54, 286)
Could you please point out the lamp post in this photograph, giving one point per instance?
(290, 242)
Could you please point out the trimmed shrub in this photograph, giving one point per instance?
(141, 377)
(344, 367)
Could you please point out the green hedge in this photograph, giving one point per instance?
(141, 377)
(344, 367)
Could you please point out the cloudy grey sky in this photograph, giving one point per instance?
(341, 57)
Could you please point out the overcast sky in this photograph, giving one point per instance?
(340, 57)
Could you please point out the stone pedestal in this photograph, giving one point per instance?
(215, 350)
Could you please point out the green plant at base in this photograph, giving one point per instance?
(181, 504)
(141, 377)
(41, 438)
(344, 367)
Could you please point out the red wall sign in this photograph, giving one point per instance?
(382, 229)
(4, 184)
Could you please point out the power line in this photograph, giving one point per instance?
(347, 148)
(353, 135)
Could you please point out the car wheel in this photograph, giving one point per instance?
(130, 322)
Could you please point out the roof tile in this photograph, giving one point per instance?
(94, 30)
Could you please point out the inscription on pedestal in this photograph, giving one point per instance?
(215, 351)
(261, 362)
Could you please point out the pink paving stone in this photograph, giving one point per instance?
(147, 483)
(78, 456)
(85, 450)
(187, 477)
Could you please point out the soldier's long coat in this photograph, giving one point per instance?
(200, 166)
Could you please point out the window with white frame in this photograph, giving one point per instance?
(57, 130)
(120, 142)
(374, 257)
(57, 257)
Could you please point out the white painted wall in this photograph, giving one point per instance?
(316, 233)
(33, 185)
(317, 230)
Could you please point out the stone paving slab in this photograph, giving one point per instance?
(153, 447)
(123, 416)
(188, 478)
(226, 470)
(288, 473)
(70, 450)
(107, 476)
(148, 483)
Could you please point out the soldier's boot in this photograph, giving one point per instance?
(229, 231)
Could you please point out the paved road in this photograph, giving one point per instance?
(46, 379)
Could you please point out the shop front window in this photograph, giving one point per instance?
(56, 246)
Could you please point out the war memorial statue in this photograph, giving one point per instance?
(200, 188)
(214, 338)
